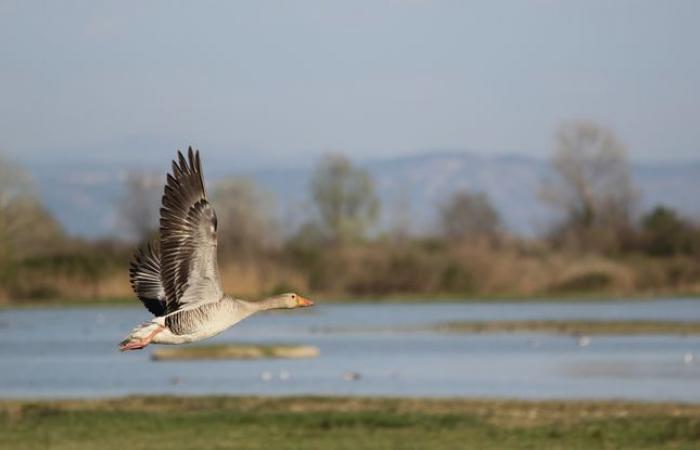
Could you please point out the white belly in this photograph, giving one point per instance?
(212, 329)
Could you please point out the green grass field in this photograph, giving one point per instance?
(344, 423)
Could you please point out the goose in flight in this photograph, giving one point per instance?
(178, 279)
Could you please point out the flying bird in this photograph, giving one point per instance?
(177, 279)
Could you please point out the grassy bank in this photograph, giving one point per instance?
(574, 327)
(131, 301)
(568, 327)
(344, 423)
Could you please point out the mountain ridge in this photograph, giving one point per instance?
(84, 198)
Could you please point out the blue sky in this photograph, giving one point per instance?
(265, 83)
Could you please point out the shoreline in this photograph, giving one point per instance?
(323, 402)
(369, 300)
(296, 402)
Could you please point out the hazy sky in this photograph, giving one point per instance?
(266, 82)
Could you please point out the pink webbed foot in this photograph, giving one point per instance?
(133, 343)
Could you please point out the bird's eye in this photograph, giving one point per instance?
(294, 296)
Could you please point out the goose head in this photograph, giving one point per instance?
(284, 301)
(297, 301)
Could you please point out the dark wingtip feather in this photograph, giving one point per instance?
(183, 162)
(197, 162)
(144, 277)
(177, 172)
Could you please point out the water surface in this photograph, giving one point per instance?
(72, 353)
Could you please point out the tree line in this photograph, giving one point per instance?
(600, 242)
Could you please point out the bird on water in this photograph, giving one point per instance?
(177, 279)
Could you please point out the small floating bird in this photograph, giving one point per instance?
(584, 341)
(178, 279)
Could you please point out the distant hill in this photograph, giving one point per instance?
(83, 198)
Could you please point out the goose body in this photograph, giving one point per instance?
(177, 279)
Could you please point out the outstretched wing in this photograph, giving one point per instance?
(189, 270)
(144, 275)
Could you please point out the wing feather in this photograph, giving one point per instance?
(189, 268)
(144, 275)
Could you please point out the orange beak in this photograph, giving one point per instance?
(302, 302)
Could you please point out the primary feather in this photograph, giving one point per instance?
(189, 269)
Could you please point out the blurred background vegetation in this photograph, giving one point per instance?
(601, 244)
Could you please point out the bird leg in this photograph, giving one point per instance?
(137, 344)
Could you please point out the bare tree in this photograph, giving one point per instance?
(400, 223)
(26, 228)
(345, 199)
(139, 207)
(467, 215)
(592, 186)
(15, 182)
(246, 225)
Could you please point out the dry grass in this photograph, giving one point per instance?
(253, 280)
(481, 268)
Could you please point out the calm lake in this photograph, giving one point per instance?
(73, 352)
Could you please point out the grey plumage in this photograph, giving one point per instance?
(178, 280)
(181, 275)
(191, 321)
(189, 269)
